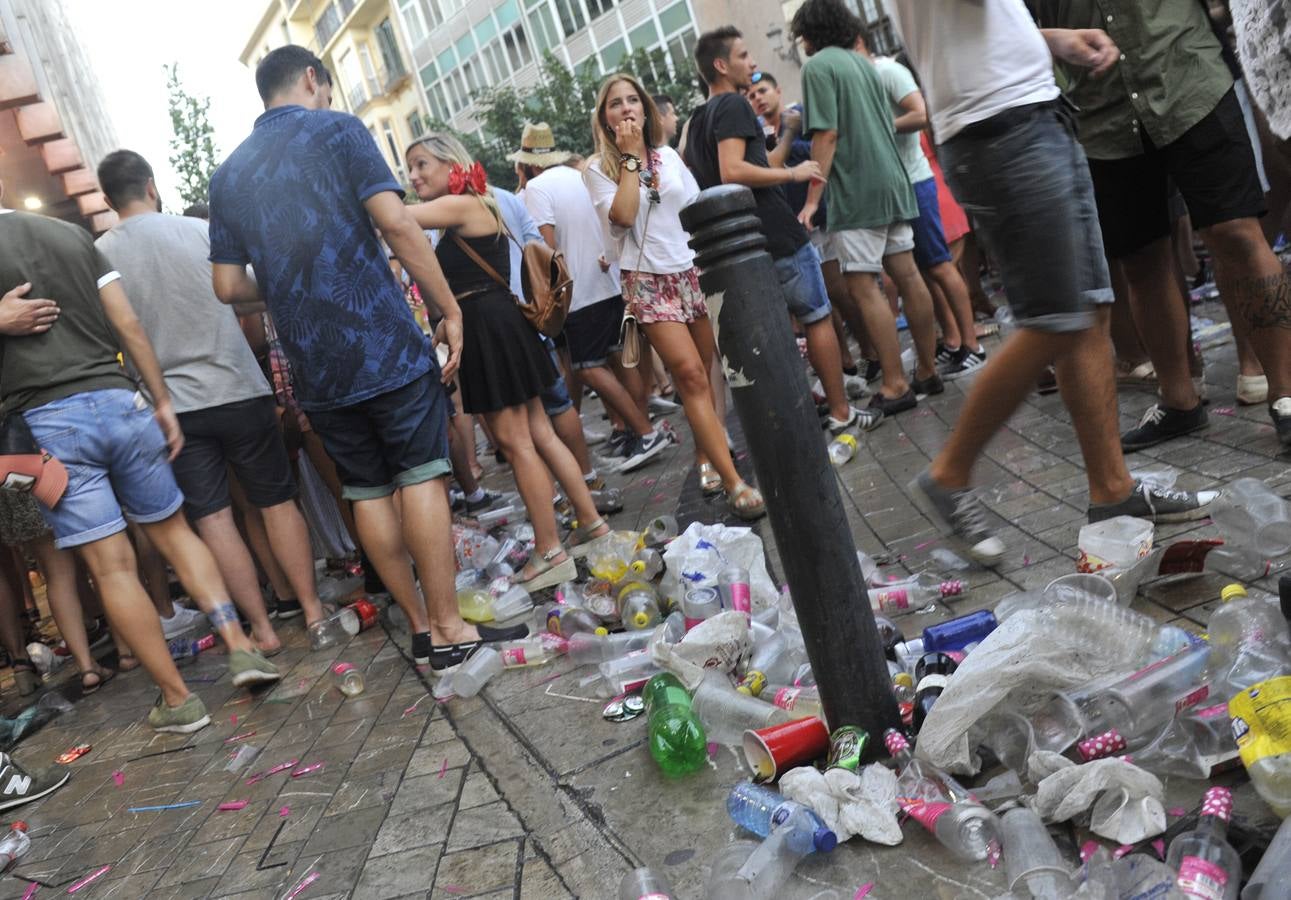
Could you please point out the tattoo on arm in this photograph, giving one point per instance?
(1266, 302)
(222, 614)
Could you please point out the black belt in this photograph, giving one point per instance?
(1005, 120)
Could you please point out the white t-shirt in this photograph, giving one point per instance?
(666, 250)
(558, 198)
(975, 59)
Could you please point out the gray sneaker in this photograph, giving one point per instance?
(186, 718)
(250, 667)
(960, 514)
(1157, 505)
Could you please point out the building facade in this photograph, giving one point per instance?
(362, 44)
(54, 122)
(460, 48)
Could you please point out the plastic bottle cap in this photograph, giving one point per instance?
(602, 631)
(1231, 592)
(825, 840)
(19, 825)
(638, 566)
(641, 620)
(903, 679)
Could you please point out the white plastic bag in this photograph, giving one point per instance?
(697, 556)
(722, 643)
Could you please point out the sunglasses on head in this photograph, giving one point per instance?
(757, 76)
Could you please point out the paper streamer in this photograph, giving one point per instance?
(93, 876)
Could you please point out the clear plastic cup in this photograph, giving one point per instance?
(475, 672)
(726, 713)
(1250, 514)
(515, 602)
(1032, 863)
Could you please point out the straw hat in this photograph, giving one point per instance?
(538, 147)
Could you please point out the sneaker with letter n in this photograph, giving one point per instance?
(18, 786)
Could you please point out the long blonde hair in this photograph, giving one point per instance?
(448, 149)
(608, 156)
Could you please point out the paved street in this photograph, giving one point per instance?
(525, 791)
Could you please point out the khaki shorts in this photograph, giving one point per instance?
(863, 249)
(824, 246)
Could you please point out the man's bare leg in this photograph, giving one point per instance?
(383, 541)
(220, 534)
(1161, 317)
(427, 531)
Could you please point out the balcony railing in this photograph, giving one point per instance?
(327, 25)
(358, 97)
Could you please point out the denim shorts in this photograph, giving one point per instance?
(929, 239)
(1022, 178)
(803, 285)
(392, 440)
(115, 456)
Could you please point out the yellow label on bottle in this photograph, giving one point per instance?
(1261, 718)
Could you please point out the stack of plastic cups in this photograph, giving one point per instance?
(727, 714)
(1032, 862)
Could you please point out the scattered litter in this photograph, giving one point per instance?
(863, 890)
(232, 806)
(93, 876)
(70, 756)
(306, 770)
(31, 891)
(284, 812)
(242, 757)
(119, 778)
(182, 805)
(239, 737)
(301, 885)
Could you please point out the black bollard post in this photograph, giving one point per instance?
(785, 439)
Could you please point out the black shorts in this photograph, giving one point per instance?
(1212, 165)
(593, 333)
(392, 440)
(243, 435)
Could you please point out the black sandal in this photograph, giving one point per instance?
(26, 677)
(104, 675)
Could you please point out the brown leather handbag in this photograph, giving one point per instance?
(544, 278)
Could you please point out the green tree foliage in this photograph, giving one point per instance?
(564, 99)
(192, 143)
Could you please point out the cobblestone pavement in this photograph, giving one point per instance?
(525, 791)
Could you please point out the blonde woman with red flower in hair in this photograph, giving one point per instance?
(504, 365)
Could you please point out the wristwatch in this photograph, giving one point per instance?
(631, 163)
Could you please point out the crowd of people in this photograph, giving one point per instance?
(157, 383)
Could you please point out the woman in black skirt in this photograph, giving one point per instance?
(504, 365)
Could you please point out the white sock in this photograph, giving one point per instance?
(591, 476)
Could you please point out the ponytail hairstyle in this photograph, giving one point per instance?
(609, 159)
(448, 149)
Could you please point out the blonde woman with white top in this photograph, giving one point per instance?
(639, 185)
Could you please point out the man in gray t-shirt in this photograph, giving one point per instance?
(226, 407)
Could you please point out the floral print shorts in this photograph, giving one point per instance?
(664, 298)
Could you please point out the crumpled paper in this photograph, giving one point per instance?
(722, 642)
(1023, 662)
(849, 803)
(1126, 800)
(697, 556)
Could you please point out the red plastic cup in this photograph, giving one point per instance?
(774, 750)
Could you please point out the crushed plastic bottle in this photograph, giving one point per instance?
(647, 564)
(535, 650)
(841, 449)
(14, 845)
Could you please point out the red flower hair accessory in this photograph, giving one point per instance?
(459, 179)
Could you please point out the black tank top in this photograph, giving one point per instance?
(463, 274)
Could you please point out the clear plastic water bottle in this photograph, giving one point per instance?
(841, 449)
(183, 648)
(589, 648)
(1089, 623)
(647, 564)
(535, 650)
(1208, 866)
(639, 606)
(760, 810)
(913, 594)
(348, 679)
(1250, 640)
(644, 884)
(15, 844)
(568, 621)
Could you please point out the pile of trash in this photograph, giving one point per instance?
(1061, 705)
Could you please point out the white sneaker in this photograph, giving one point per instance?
(1252, 389)
(184, 619)
(661, 406)
(594, 436)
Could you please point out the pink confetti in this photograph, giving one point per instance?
(410, 710)
(863, 890)
(925, 544)
(300, 887)
(258, 776)
(1088, 849)
(239, 737)
(443, 769)
(119, 778)
(1223, 410)
(1026, 560)
(1176, 812)
(452, 889)
(232, 806)
(233, 720)
(712, 749)
(93, 876)
(284, 812)
(315, 767)
(1122, 850)
(658, 498)
(31, 891)
(282, 767)
(1159, 846)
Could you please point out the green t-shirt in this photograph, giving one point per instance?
(899, 84)
(868, 187)
(79, 353)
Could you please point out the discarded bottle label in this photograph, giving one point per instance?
(1192, 698)
(787, 697)
(1202, 879)
(892, 601)
(925, 812)
(846, 746)
(1261, 718)
(741, 599)
(513, 656)
(71, 756)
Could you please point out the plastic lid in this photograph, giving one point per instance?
(637, 566)
(641, 620)
(903, 679)
(20, 825)
(1231, 592)
(825, 840)
(602, 631)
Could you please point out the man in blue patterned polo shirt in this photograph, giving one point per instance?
(298, 200)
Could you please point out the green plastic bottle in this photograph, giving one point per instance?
(677, 740)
